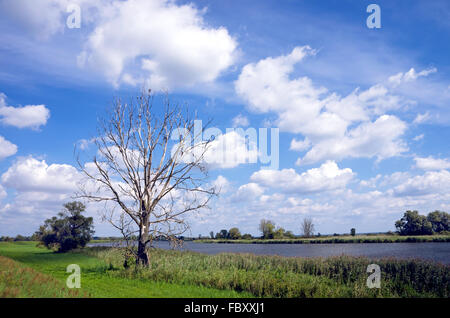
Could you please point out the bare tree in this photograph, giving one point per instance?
(307, 227)
(267, 228)
(147, 187)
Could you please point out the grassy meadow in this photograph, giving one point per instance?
(189, 274)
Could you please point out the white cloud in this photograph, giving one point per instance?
(221, 184)
(231, 150)
(430, 163)
(30, 116)
(248, 192)
(42, 19)
(32, 175)
(409, 76)
(240, 121)
(336, 127)
(157, 43)
(380, 139)
(2, 193)
(300, 145)
(267, 88)
(422, 118)
(6, 148)
(432, 182)
(327, 177)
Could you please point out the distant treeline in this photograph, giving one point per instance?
(18, 238)
(412, 223)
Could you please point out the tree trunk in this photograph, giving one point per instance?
(142, 255)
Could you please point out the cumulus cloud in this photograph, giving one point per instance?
(240, 121)
(2, 193)
(221, 184)
(33, 175)
(30, 116)
(300, 145)
(430, 163)
(380, 139)
(158, 43)
(42, 19)
(6, 148)
(432, 182)
(327, 177)
(249, 191)
(334, 127)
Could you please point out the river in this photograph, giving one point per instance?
(438, 252)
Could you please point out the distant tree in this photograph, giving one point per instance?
(67, 231)
(279, 233)
(353, 232)
(307, 227)
(289, 234)
(234, 233)
(412, 223)
(247, 236)
(223, 234)
(6, 239)
(439, 221)
(21, 238)
(211, 234)
(267, 228)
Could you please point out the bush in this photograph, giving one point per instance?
(68, 231)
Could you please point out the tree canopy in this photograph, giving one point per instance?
(412, 223)
(68, 230)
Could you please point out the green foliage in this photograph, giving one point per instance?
(289, 234)
(412, 223)
(234, 233)
(247, 236)
(223, 234)
(440, 221)
(68, 231)
(267, 228)
(279, 233)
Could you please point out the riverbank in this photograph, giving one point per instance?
(190, 274)
(337, 240)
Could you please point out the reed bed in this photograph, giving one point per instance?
(275, 276)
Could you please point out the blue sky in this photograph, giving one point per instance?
(362, 113)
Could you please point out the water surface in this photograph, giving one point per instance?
(438, 252)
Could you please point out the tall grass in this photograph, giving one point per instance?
(275, 276)
(17, 280)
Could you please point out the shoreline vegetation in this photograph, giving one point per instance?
(336, 239)
(189, 274)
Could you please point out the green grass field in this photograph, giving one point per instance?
(338, 239)
(189, 274)
(96, 280)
